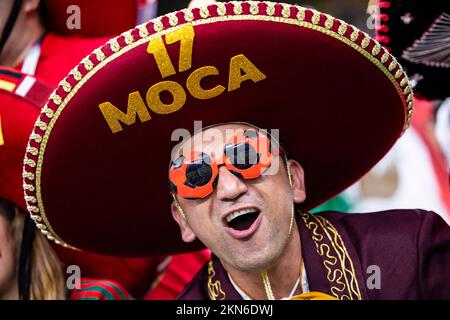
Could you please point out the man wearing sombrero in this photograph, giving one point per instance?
(101, 153)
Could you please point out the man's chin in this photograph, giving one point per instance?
(255, 263)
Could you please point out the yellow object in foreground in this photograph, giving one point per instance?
(314, 295)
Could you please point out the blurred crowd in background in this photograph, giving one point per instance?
(37, 41)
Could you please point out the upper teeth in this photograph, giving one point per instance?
(239, 213)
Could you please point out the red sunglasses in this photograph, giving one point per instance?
(248, 156)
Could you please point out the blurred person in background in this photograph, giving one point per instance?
(415, 172)
(29, 266)
(37, 38)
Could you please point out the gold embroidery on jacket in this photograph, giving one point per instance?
(214, 287)
(336, 260)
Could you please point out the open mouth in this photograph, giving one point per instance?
(242, 219)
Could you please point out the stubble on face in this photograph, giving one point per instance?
(271, 193)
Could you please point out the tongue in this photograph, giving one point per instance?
(243, 222)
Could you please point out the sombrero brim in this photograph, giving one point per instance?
(339, 99)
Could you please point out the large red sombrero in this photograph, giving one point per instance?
(102, 144)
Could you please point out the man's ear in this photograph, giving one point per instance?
(297, 181)
(186, 232)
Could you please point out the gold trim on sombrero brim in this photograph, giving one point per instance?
(246, 10)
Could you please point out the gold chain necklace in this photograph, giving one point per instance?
(265, 275)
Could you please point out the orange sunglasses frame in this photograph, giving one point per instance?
(177, 175)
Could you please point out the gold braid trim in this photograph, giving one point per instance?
(336, 260)
(214, 287)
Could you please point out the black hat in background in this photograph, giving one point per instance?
(417, 32)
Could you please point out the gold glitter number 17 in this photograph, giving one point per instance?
(156, 47)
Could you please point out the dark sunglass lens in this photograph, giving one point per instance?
(242, 156)
(199, 172)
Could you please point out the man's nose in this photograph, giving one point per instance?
(229, 186)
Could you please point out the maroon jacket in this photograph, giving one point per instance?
(410, 247)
